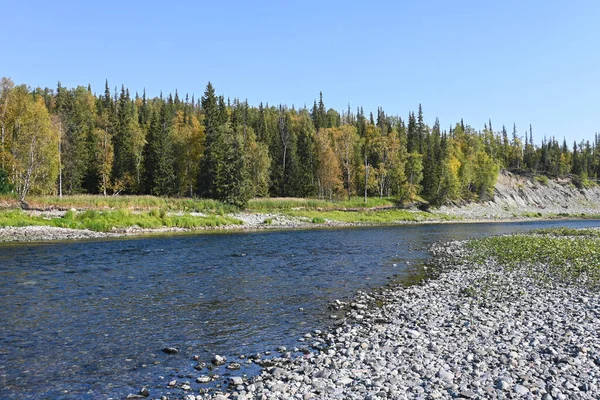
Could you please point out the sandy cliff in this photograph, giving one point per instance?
(517, 195)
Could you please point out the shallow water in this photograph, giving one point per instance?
(87, 320)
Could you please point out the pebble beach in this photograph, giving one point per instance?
(474, 331)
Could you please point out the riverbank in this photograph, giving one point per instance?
(37, 226)
(511, 326)
(516, 198)
(247, 222)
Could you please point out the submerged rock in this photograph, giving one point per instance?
(218, 360)
(170, 350)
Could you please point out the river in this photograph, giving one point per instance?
(88, 319)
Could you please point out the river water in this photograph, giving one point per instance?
(88, 319)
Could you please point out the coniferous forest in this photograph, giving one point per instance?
(73, 141)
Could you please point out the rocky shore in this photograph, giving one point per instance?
(46, 233)
(475, 331)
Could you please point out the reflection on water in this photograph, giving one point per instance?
(88, 319)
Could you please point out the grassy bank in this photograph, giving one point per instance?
(146, 203)
(365, 216)
(103, 213)
(133, 203)
(105, 221)
(563, 215)
(288, 204)
(569, 255)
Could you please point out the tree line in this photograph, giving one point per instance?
(71, 141)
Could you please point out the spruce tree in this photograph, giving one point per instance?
(322, 115)
(159, 177)
(123, 164)
(577, 164)
(76, 113)
(212, 151)
(420, 131)
(412, 144)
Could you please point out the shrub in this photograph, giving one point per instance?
(543, 179)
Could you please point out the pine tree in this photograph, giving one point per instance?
(412, 145)
(76, 112)
(420, 131)
(212, 148)
(123, 165)
(505, 148)
(577, 164)
(232, 184)
(432, 160)
(159, 177)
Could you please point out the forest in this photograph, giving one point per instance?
(73, 141)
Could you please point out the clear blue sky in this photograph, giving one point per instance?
(523, 61)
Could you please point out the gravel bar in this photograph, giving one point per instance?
(45, 233)
(475, 331)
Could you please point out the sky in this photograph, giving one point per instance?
(523, 62)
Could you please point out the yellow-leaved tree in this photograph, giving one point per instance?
(329, 172)
(346, 142)
(35, 150)
(188, 147)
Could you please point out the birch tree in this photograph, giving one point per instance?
(34, 149)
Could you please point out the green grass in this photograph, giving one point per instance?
(530, 214)
(284, 204)
(571, 256)
(135, 203)
(568, 232)
(369, 217)
(354, 210)
(104, 221)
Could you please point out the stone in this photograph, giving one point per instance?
(413, 333)
(445, 375)
(203, 379)
(520, 389)
(170, 350)
(218, 360)
(236, 381)
(200, 366)
(344, 381)
(502, 385)
(234, 366)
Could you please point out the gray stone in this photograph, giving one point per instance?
(218, 360)
(234, 366)
(445, 375)
(236, 381)
(520, 389)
